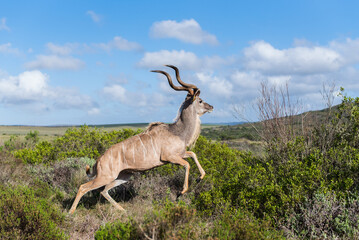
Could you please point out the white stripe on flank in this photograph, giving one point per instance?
(144, 148)
(153, 147)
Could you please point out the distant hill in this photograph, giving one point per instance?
(225, 132)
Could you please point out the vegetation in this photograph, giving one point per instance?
(304, 186)
(25, 213)
(76, 142)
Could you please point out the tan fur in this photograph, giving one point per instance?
(191, 144)
(152, 125)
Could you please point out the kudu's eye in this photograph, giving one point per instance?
(200, 101)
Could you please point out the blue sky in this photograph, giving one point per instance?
(89, 62)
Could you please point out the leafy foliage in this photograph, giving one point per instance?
(167, 220)
(119, 230)
(241, 224)
(26, 214)
(76, 142)
(325, 216)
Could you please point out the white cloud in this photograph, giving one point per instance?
(137, 99)
(116, 92)
(66, 49)
(32, 87)
(119, 43)
(28, 86)
(94, 16)
(182, 59)
(279, 80)
(187, 31)
(70, 99)
(33, 82)
(6, 48)
(245, 84)
(218, 86)
(3, 25)
(263, 57)
(349, 50)
(94, 111)
(55, 62)
(246, 80)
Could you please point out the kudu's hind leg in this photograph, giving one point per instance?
(84, 188)
(122, 178)
(194, 157)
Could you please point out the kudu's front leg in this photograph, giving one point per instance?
(178, 160)
(194, 157)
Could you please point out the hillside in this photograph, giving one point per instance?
(246, 136)
(298, 190)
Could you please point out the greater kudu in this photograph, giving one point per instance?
(159, 144)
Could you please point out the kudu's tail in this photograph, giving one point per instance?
(94, 170)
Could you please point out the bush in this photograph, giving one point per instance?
(119, 230)
(76, 143)
(32, 137)
(241, 224)
(26, 215)
(238, 179)
(325, 217)
(43, 152)
(167, 220)
(88, 142)
(12, 144)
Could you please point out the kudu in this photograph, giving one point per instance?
(159, 144)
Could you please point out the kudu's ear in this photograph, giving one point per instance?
(196, 94)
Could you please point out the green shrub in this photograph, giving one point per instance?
(167, 220)
(13, 143)
(325, 216)
(24, 214)
(237, 179)
(119, 230)
(75, 143)
(43, 152)
(268, 186)
(89, 142)
(32, 137)
(241, 224)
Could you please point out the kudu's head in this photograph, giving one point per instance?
(192, 98)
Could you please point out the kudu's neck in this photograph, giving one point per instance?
(187, 126)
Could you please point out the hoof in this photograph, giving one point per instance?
(198, 179)
(178, 195)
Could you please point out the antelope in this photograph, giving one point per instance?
(159, 144)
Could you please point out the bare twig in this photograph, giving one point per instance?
(276, 113)
(146, 236)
